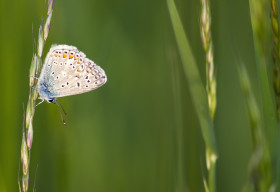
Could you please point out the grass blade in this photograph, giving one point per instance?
(197, 91)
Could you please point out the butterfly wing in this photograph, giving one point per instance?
(67, 71)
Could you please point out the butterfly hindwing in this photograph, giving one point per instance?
(67, 71)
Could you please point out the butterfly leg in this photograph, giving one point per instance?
(40, 102)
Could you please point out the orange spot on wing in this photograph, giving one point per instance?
(71, 56)
(64, 55)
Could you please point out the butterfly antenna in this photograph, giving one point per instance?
(59, 108)
(62, 109)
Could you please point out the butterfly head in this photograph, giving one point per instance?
(44, 93)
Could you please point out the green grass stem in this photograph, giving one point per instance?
(205, 24)
(259, 11)
(260, 178)
(34, 71)
(198, 93)
(259, 20)
(276, 56)
(276, 79)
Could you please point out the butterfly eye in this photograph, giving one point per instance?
(50, 100)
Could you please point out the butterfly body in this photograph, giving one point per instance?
(67, 71)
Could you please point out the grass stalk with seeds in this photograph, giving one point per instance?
(210, 82)
(259, 11)
(276, 56)
(263, 124)
(198, 93)
(260, 177)
(208, 47)
(36, 64)
(276, 75)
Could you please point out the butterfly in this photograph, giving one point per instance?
(67, 71)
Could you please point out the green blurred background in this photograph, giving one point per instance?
(123, 136)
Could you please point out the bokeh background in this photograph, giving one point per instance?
(123, 136)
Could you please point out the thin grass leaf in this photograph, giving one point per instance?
(180, 185)
(197, 91)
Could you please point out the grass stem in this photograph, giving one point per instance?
(198, 93)
(35, 68)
